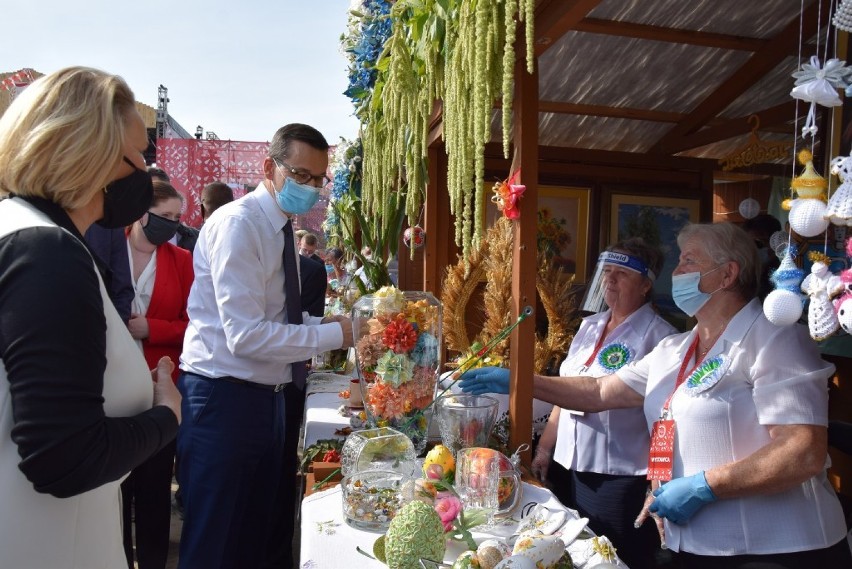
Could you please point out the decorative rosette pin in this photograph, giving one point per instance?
(614, 356)
(706, 375)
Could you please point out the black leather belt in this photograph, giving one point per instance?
(264, 386)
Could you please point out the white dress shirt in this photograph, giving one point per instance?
(770, 376)
(237, 315)
(609, 442)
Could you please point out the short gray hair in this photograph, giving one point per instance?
(725, 242)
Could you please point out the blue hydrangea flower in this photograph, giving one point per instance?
(425, 352)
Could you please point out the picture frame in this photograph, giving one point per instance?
(658, 220)
(564, 211)
(563, 225)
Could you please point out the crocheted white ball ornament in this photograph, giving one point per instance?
(806, 217)
(749, 208)
(783, 307)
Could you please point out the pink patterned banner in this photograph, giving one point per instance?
(191, 164)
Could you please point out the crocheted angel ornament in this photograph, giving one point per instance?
(839, 210)
(821, 286)
(783, 306)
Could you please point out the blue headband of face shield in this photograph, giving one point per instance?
(627, 261)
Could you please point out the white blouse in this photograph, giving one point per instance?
(609, 442)
(144, 287)
(766, 375)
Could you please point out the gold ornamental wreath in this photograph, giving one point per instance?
(493, 260)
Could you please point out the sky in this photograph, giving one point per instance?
(239, 68)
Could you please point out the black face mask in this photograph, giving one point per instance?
(158, 230)
(127, 199)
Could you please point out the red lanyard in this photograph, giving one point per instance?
(597, 348)
(682, 374)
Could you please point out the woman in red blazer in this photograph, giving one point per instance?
(162, 275)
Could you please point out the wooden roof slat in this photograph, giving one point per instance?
(671, 35)
(761, 63)
(556, 17)
(604, 111)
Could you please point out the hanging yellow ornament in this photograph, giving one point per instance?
(810, 185)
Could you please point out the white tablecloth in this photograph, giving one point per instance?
(328, 542)
(321, 407)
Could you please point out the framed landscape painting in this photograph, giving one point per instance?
(657, 220)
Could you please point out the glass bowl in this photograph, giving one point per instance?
(371, 499)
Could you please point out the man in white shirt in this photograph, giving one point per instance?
(245, 341)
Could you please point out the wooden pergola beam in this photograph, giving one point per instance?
(670, 35)
(553, 18)
(761, 63)
(776, 115)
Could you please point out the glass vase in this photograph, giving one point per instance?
(397, 347)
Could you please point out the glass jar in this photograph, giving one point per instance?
(465, 420)
(377, 449)
(397, 349)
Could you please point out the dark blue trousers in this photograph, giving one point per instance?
(230, 447)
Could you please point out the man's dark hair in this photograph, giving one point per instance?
(158, 173)
(310, 239)
(214, 195)
(279, 148)
(762, 227)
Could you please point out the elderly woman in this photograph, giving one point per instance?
(737, 409)
(76, 395)
(600, 459)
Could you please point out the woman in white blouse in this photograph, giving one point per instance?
(599, 460)
(738, 411)
(162, 276)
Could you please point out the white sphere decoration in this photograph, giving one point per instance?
(806, 217)
(778, 240)
(749, 208)
(782, 307)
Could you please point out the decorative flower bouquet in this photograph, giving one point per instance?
(397, 348)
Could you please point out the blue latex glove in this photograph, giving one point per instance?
(680, 499)
(486, 380)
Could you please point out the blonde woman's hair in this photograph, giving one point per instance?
(64, 135)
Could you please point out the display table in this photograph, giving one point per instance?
(328, 542)
(322, 402)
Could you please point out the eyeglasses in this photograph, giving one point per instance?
(304, 176)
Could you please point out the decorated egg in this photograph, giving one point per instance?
(466, 560)
(516, 562)
(543, 550)
(501, 546)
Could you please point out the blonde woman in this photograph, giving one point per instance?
(76, 396)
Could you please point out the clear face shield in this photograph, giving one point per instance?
(594, 300)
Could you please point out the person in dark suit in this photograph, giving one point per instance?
(314, 283)
(110, 248)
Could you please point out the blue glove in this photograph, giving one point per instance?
(486, 380)
(680, 499)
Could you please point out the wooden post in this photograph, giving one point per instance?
(524, 261)
(431, 206)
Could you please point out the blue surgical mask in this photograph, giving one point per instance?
(686, 294)
(294, 197)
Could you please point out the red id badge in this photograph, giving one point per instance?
(661, 457)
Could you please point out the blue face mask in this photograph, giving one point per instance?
(686, 294)
(294, 197)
